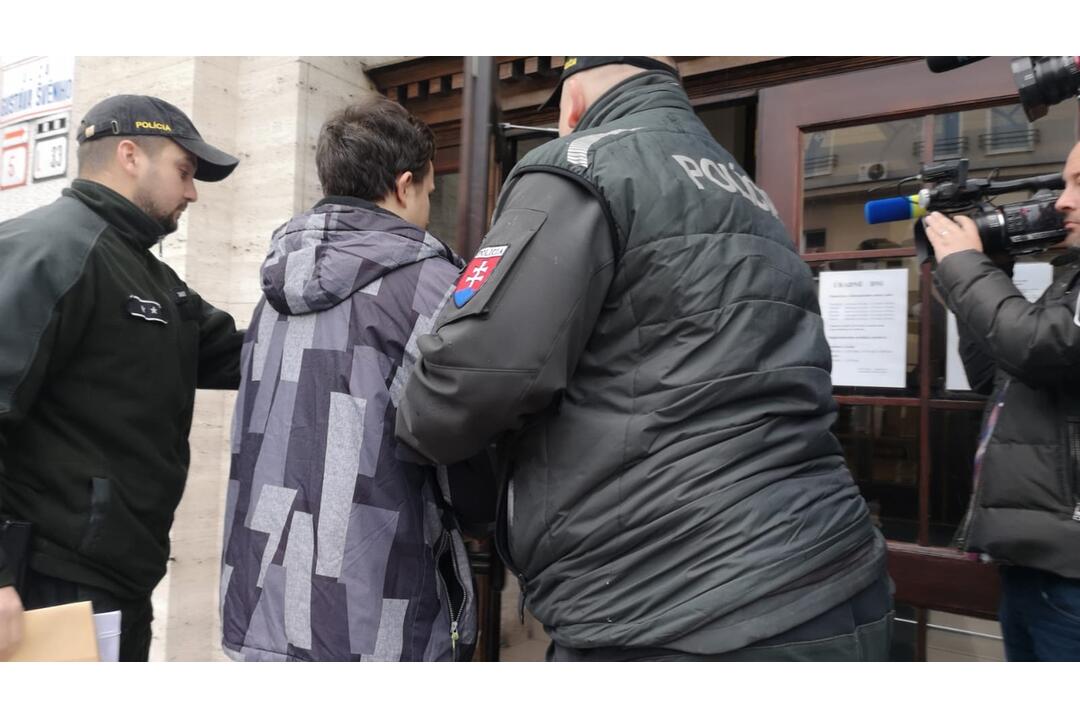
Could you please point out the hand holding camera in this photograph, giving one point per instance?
(948, 236)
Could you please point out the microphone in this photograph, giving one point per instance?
(945, 64)
(893, 209)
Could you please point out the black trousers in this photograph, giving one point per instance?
(858, 629)
(135, 615)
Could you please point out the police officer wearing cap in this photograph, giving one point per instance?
(101, 349)
(642, 341)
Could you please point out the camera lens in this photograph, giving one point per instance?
(1020, 227)
(1043, 82)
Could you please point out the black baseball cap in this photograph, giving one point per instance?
(144, 115)
(577, 64)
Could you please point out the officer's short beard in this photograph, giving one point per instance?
(146, 203)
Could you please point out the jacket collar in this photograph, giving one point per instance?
(354, 202)
(650, 90)
(131, 223)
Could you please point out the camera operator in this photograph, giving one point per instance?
(1025, 508)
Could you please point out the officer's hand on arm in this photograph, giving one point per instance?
(951, 236)
(11, 621)
(503, 353)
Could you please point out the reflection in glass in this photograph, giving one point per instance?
(729, 124)
(845, 168)
(881, 445)
(953, 437)
(949, 139)
(1002, 138)
(443, 222)
(1008, 131)
(818, 157)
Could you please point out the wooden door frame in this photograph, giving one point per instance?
(431, 87)
(878, 94)
(926, 577)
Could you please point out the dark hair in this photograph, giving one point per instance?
(95, 155)
(366, 146)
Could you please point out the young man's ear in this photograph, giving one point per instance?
(401, 186)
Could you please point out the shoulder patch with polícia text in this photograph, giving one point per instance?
(477, 272)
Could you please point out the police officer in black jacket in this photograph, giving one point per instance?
(642, 340)
(101, 349)
(1025, 507)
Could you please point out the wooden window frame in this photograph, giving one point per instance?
(926, 577)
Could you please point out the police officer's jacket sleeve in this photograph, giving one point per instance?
(507, 352)
(1040, 344)
(219, 349)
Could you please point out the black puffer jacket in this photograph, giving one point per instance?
(1026, 505)
(673, 481)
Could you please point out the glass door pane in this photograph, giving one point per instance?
(443, 222)
(842, 170)
(881, 446)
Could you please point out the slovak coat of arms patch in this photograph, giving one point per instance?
(477, 273)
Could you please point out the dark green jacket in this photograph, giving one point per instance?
(650, 351)
(101, 349)
(1025, 508)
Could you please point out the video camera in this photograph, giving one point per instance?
(1045, 81)
(1011, 229)
(1040, 81)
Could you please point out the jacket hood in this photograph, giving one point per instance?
(321, 257)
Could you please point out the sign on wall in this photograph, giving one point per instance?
(36, 86)
(1031, 279)
(50, 147)
(865, 315)
(14, 156)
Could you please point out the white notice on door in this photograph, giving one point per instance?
(865, 314)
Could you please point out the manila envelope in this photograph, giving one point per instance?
(62, 632)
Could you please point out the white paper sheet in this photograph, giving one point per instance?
(865, 314)
(108, 635)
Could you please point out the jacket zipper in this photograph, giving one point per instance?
(977, 479)
(455, 614)
(503, 524)
(509, 529)
(1074, 463)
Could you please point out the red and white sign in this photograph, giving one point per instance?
(16, 135)
(16, 156)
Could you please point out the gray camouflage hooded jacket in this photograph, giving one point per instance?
(333, 543)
